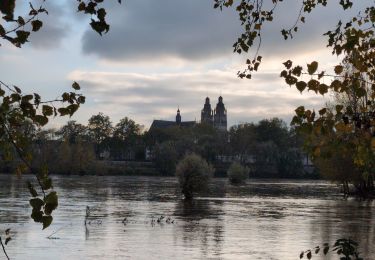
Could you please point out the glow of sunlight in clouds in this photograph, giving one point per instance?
(157, 96)
(163, 54)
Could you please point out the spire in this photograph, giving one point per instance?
(178, 116)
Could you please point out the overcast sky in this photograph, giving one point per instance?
(160, 55)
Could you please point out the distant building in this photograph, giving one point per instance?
(167, 124)
(216, 117)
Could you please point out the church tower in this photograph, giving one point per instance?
(178, 117)
(220, 115)
(206, 113)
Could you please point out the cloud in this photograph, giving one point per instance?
(192, 30)
(168, 28)
(55, 27)
(146, 97)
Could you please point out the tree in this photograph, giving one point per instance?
(353, 42)
(126, 129)
(193, 174)
(17, 107)
(243, 140)
(237, 173)
(100, 129)
(73, 132)
(166, 157)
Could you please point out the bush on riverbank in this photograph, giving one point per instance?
(193, 174)
(237, 173)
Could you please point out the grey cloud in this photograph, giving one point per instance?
(55, 27)
(142, 29)
(193, 30)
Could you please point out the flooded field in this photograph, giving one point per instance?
(264, 219)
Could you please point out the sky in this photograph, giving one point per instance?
(165, 54)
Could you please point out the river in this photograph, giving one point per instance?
(264, 219)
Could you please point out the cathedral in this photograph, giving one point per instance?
(216, 117)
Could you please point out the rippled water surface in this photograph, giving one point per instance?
(264, 219)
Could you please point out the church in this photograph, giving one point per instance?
(216, 117)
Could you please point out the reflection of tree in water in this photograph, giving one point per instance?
(17, 209)
(347, 219)
(201, 222)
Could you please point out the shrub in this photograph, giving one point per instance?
(237, 173)
(193, 174)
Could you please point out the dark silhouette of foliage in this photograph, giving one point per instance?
(346, 249)
(193, 174)
(18, 108)
(237, 174)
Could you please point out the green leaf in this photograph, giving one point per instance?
(37, 24)
(300, 111)
(18, 90)
(72, 109)
(47, 183)
(36, 203)
(47, 220)
(301, 85)
(51, 201)
(2, 30)
(322, 111)
(63, 111)
(313, 85)
(339, 108)
(323, 89)
(81, 99)
(41, 120)
(76, 86)
(101, 13)
(37, 215)
(22, 36)
(312, 67)
(7, 240)
(338, 69)
(47, 110)
(288, 64)
(31, 189)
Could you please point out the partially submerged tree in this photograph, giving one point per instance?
(193, 174)
(238, 174)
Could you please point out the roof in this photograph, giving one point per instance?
(166, 124)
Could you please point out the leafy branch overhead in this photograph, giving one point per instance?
(254, 15)
(17, 30)
(18, 109)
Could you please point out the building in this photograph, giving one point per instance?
(167, 124)
(216, 117)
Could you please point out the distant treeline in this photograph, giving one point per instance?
(269, 148)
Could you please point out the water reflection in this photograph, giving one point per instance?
(264, 219)
(202, 225)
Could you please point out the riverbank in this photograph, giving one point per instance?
(148, 168)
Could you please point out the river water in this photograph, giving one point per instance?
(264, 219)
